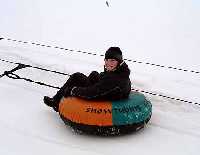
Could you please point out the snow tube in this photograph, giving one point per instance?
(106, 118)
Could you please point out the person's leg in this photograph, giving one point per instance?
(76, 79)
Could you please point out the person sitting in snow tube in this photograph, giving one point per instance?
(112, 84)
(101, 104)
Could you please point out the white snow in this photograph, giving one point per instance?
(160, 32)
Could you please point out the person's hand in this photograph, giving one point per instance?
(67, 92)
(71, 93)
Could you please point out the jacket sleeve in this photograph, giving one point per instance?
(102, 90)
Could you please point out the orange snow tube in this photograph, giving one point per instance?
(106, 117)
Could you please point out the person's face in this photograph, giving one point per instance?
(110, 64)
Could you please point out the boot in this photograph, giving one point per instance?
(51, 103)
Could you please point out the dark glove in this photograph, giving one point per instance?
(67, 92)
(72, 91)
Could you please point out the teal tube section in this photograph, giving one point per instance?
(135, 109)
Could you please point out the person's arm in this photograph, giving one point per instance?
(101, 90)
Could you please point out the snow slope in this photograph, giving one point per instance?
(165, 33)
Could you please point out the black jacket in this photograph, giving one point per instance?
(113, 85)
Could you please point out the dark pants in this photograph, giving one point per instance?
(76, 79)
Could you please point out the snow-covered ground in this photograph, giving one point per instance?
(160, 32)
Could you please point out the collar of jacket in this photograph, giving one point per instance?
(122, 69)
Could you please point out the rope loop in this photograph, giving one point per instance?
(11, 75)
